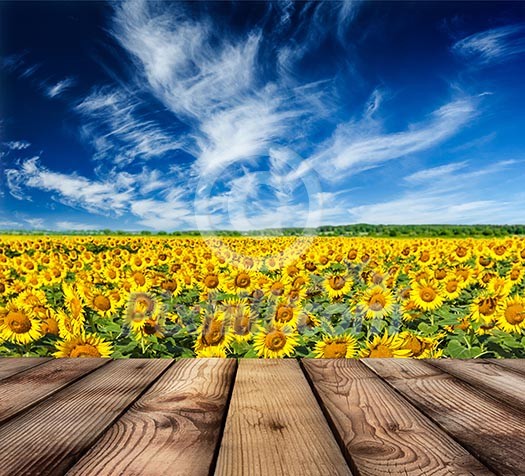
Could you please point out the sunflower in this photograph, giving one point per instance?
(285, 314)
(307, 319)
(67, 326)
(215, 331)
(377, 302)
(85, 345)
(427, 294)
(337, 285)
(275, 342)
(210, 281)
(461, 254)
(512, 315)
(485, 308)
(18, 325)
(386, 346)
(515, 275)
(73, 302)
(241, 281)
(500, 287)
(452, 287)
(148, 328)
(170, 285)
(336, 347)
(421, 347)
(141, 307)
(277, 287)
(99, 300)
(239, 312)
(139, 280)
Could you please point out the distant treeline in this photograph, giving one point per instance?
(360, 229)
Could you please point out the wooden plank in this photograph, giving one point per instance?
(275, 426)
(49, 438)
(499, 382)
(25, 389)
(174, 429)
(517, 365)
(493, 432)
(13, 365)
(381, 431)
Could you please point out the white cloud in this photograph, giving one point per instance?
(105, 197)
(119, 132)
(37, 223)
(358, 146)
(163, 214)
(240, 133)
(17, 144)
(211, 82)
(119, 193)
(449, 194)
(185, 66)
(493, 45)
(58, 88)
(435, 173)
(433, 208)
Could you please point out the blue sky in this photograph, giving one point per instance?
(246, 115)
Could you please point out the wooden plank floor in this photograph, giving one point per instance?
(196, 417)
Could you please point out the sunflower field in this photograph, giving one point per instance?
(120, 297)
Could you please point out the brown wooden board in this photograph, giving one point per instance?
(25, 389)
(505, 385)
(50, 437)
(174, 429)
(515, 364)
(493, 432)
(382, 432)
(13, 365)
(275, 425)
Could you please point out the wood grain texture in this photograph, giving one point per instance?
(13, 365)
(26, 389)
(517, 365)
(494, 433)
(502, 384)
(275, 426)
(50, 437)
(382, 432)
(173, 429)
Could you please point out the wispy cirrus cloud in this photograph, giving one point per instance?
(435, 173)
(452, 193)
(119, 193)
(17, 144)
(215, 84)
(492, 45)
(119, 132)
(110, 196)
(358, 146)
(60, 87)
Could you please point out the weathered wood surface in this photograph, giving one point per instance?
(13, 365)
(174, 429)
(515, 364)
(49, 438)
(505, 385)
(25, 389)
(194, 417)
(275, 426)
(381, 432)
(493, 432)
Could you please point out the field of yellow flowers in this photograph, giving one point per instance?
(71, 296)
